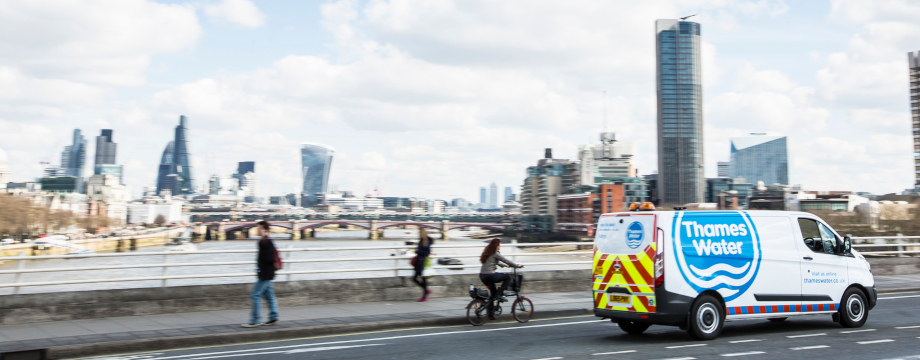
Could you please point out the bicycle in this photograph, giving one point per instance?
(477, 311)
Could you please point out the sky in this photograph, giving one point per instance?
(436, 98)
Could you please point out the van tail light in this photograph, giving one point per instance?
(659, 258)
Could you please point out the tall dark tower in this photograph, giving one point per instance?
(106, 150)
(680, 113)
(175, 172)
(181, 157)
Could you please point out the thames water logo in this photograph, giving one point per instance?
(634, 235)
(717, 251)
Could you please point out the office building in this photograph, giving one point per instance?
(175, 172)
(730, 188)
(759, 157)
(244, 167)
(106, 151)
(108, 190)
(509, 194)
(723, 169)
(483, 195)
(493, 196)
(316, 164)
(579, 207)
(609, 159)
(74, 156)
(913, 59)
(543, 184)
(680, 114)
(248, 185)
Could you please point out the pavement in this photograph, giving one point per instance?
(79, 338)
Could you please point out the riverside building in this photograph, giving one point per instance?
(680, 116)
(316, 164)
(760, 157)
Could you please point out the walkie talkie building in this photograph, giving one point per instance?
(316, 163)
(680, 114)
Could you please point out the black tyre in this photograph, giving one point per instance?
(777, 319)
(477, 312)
(854, 310)
(632, 327)
(707, 316)
(522, 310)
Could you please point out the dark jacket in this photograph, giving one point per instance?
(424, 251)
(266, 259)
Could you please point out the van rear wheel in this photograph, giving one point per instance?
(706, 318)
(632, 327)
(853, 310)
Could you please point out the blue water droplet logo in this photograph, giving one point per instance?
(634, 235)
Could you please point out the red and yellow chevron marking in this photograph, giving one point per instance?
(636, 274)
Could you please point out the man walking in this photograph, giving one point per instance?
(268, 262)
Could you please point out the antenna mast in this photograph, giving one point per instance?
(605, 110)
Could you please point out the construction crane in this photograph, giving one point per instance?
(687, 17)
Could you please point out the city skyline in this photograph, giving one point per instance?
(765, 70)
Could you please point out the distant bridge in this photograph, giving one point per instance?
(302, 225)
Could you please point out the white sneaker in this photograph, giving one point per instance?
(250, 325)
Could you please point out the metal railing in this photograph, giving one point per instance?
(869, 246)
(288, 259)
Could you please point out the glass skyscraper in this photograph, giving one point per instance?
(760, 158)
(680, 114)
(913, 60)
(316, 162)
(74, 156)
(175, 172)
(106, 149)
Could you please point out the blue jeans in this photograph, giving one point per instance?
(263, 288)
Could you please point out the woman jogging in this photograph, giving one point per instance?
(421, 256)
(490, 259)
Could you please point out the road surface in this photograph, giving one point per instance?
(892, 331)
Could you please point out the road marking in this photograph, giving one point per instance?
(616, 352)
(907, 327)
(874, 341)
(683, 358)
(856, 331)
(745, 353)
(370, 340)
(743, 341)
(810, 347)
(898, 297)
(552, 358)
(808, 335)
(683, 346)
(296, 351)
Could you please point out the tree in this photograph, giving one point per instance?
(160, 220)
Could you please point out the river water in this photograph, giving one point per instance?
(393, 237)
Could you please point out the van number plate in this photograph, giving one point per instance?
(619, 299)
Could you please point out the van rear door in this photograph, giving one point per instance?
(624, 254)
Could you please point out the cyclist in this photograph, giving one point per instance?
(490, 259)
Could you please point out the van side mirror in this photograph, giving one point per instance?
(845, 247)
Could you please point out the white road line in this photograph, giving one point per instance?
(375, 339)
(856, 331)
(616, 352)
(874, 341)
(898, 297)
(683, 346)
(683, 358)
(810, 347)
(807, 335)
(745, 353)
(907, 327)
(743, 341)
(294, 351)
(552, 358)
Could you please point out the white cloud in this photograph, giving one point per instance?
(242, 13)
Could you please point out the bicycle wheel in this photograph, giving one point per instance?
(477, 312)
(522, 310)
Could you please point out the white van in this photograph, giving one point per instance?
(695, 269)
